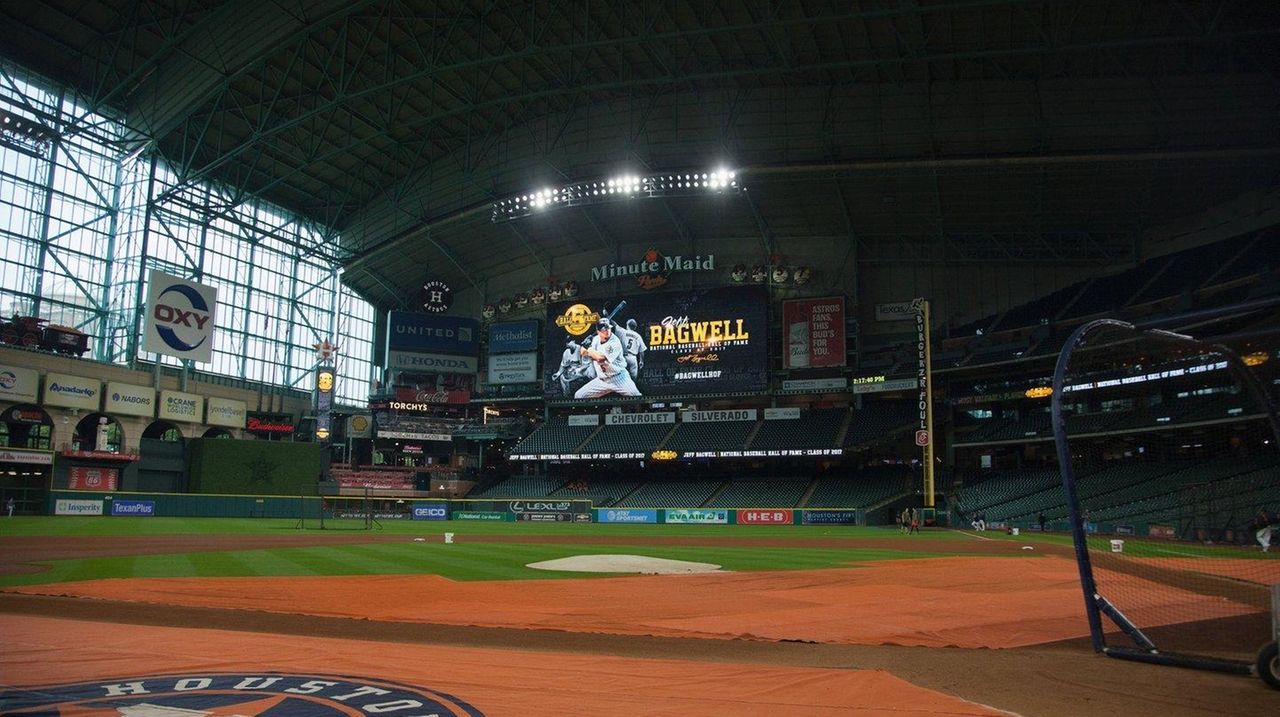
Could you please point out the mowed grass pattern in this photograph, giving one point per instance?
(423, 551)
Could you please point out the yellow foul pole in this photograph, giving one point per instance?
(924, 433)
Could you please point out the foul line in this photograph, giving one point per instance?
(971, 534)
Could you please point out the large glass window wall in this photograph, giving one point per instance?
(84, 218)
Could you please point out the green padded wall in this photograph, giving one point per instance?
(219, 465)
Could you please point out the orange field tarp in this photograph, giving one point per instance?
(969, 602)
(491, 682)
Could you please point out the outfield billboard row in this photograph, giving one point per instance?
(696, 342)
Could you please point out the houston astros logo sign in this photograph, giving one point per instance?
(436, 297)
(261, 694)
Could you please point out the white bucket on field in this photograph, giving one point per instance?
(1117, 546)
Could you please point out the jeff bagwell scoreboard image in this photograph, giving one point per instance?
(701, 341)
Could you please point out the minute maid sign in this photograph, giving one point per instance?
(180, 317)
(653, 268)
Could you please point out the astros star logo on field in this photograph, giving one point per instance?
(264, 694)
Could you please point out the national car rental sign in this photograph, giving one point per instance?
(180, 317)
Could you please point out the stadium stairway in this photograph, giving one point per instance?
(844, 429)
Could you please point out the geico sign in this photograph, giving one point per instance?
(168, 317)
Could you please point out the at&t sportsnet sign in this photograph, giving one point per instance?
(180, 317)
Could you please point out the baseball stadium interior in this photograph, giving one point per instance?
(1012, 265)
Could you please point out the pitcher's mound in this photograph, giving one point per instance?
(623, 564)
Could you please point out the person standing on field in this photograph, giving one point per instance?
(1265, 522)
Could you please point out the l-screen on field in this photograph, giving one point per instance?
(792, 619)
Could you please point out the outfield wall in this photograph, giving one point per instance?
(193, 505)
(219, 465)
(182, 505)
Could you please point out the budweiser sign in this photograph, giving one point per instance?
(271, 424)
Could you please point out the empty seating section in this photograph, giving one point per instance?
(761, 493)
(719, 436)
(1211, 275)
(1104, 294)
(372, 478)
(554, 436)
(1258, 255)
(521, 487)
(1033, 425)
(1178, 410)
(671, 494)
(1001, 487)
(1162, 499)
(866, 488)
(1184, 271)
(1079, 424)
(816, 428)
(1046, 307)
(1223, 407)
(642, 438)
(601, 493)
(875, 421)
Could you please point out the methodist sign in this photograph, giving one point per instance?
(180, 317)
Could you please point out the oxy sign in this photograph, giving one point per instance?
(18, 384)
(180, 317)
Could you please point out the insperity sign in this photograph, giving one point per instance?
(180, 317)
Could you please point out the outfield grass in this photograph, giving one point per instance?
(423, 550)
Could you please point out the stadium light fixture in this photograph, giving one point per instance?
(619, 187)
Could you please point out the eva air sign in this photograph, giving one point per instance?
(180, 317)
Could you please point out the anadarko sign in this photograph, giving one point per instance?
(72, 391)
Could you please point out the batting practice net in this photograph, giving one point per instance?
(1167, 446)
(333, 512)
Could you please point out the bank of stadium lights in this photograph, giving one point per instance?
(615, 189)
(22, 130)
